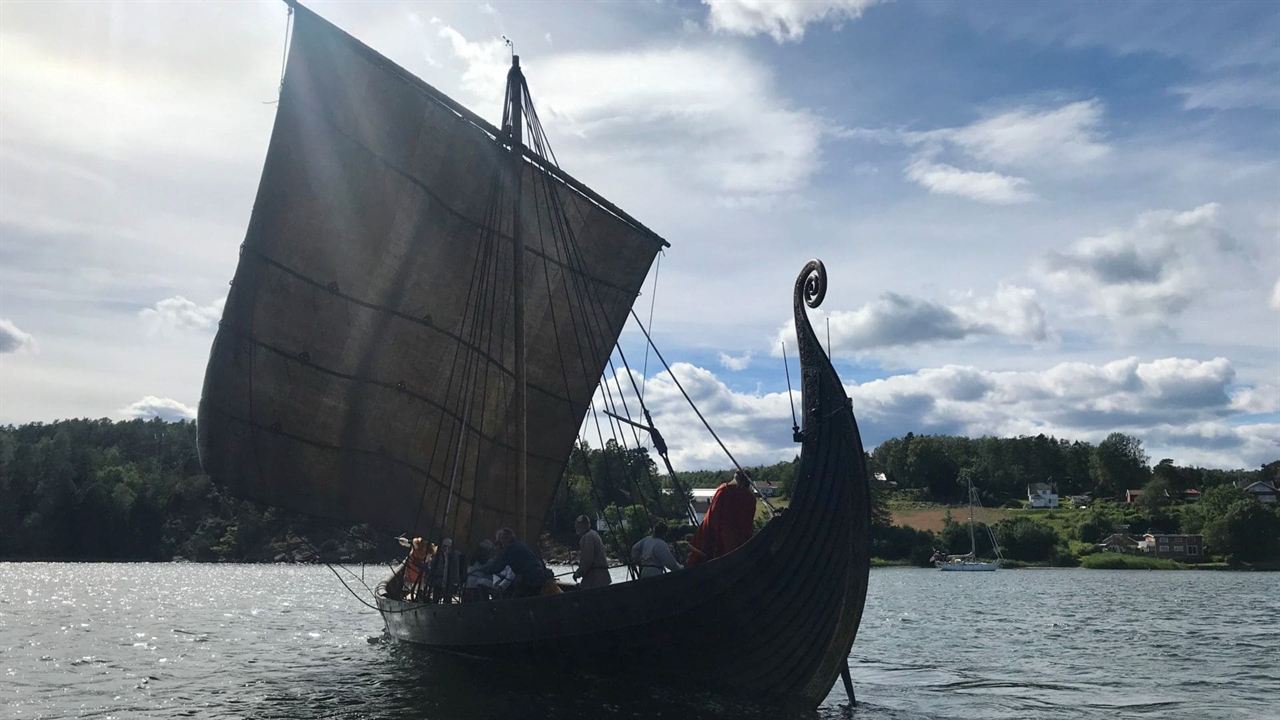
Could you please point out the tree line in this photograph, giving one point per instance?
(133, 490)
(1001, 468)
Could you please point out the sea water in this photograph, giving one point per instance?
(274, 641)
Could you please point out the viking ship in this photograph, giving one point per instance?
(424, 311)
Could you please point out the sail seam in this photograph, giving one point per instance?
(415, 181)
(403, 316)
(378, 383)
(361, 451)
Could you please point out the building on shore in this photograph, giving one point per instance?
(1261, 490)
(1080, 501)
(1172, 547)
(1042, 495)
(1119, 542)
(701, 501)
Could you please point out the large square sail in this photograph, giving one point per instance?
(364, 365)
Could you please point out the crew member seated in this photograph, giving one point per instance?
(479, 583)
(531, 573)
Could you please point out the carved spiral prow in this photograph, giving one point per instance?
(810, 291)
(813, 283)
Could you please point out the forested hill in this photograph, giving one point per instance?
(133, 490)
(935, 468)
(104, 490)
(1001, 468)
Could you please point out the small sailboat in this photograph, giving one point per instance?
(425, 310)
(969, 562)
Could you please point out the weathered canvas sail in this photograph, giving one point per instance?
(363, 368)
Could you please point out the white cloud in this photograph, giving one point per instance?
(1260, 399)
(1231, 93)
(1275, 296)
(13, 339)
(179, 313)
(783, 20)
(710, 117)
(735, 363)
(989, 187)
(895, 320)
(486, 61)
(1028, 137)
(156, 407)
(1182, 408)
(1146, 273)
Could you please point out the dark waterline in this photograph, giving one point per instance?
(253, 641)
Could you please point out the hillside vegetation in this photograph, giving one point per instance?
(104, 490)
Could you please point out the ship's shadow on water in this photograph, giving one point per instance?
(403, 681)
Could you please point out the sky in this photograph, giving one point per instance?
(1057, 218)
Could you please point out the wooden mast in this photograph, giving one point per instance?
(515, 108)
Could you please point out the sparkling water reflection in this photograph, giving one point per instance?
(252, 641)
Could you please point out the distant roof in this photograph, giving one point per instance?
(1039, 488)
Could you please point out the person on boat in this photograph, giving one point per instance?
(443, 573)
(531, 573)
(729, 522)
(593, 566)
(652, 554)
(479, 583)
(415, 567)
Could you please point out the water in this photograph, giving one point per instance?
(254, 641)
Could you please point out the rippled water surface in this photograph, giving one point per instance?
(249, 641)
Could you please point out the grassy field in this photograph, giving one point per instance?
(930, 517)
(1116, 561)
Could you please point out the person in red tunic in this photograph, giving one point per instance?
(729, 522)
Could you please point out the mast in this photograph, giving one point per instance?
(973, 543)
(515, 112)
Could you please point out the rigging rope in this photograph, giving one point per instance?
(574, 253)
(538, 140)
(284, 56)
(698, 412)
(786, 367)
(653, 297)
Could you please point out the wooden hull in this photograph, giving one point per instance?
(773, 621)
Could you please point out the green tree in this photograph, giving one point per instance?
(1095, 527)
(954, 538)
(1155, 495)
(1022, 538)
(1212, 506)
(1247, 531)
(1118, 463)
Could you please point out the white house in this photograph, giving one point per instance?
(1042, 495)
(701, 501)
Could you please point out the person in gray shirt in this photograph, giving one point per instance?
(653, 555)
(593, 566)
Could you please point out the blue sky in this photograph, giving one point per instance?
(1037, 217)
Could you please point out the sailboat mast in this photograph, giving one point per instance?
(973, 543)
(515, 107)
